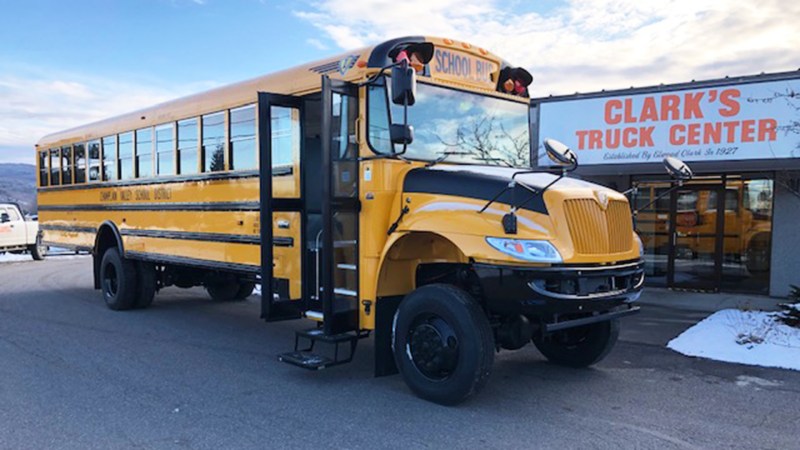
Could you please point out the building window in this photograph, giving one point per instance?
(109, 158)
(187, 146)
(243, 138)
(55, 167)
(165, 149)
(93, 148)
(144, 153)
(214, 142)
(43, 169)
(80, 163)
(66, 165)
(125, 150)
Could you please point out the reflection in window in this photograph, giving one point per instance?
(243, 138)
(473, 128)
(285, 135)
(93, 149)
(125, 150)
(165, 144)
(43, 170)
(748, 235)
(187, 146)
(66, 165)
(214, 142)
(144, 153)
(80, 163)
(55, 167)
(110, 158)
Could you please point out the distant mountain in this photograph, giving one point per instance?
(18, 184)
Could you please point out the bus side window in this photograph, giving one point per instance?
(165, 146)
(243, 138)
(93, 149)
(66, 164)
(110, 158)
(144, 153)
(55, 167)
(214, 142)
(125, 150)
(80, 163)
(43, 167)
(188, 133)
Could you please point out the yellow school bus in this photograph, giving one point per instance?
(385, 192)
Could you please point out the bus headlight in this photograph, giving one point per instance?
(532, 251)
(641, 244)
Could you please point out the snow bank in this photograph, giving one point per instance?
(754, 338)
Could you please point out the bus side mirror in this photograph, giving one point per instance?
(404, 84)
(5, 218)
(401, 133)
(559, 153)
(677, 169)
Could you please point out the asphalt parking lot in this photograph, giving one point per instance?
(192, 373)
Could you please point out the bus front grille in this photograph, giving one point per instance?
(598, 231)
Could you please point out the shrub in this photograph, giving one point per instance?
(790, 311)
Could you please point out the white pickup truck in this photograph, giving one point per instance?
(18, 235)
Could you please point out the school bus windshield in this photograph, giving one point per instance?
(476, 128)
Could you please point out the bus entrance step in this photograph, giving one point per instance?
(305, 357)
(306, 360)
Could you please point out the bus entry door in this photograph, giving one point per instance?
(340, 207)
(282, 212)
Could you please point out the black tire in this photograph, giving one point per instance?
(118, 280)
(245, 290)
(580, 346)
(443, 344)
(145, 284)
(223, 289)
(38, 250)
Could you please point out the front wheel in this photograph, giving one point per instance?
(443, 344)
(38, 250)
(579, 346)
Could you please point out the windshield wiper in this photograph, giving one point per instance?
(444, 156)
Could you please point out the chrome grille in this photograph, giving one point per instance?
(595, 231)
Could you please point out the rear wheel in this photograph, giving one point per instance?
(118, 280)
(226, 289)
(579, 346)
(443, 344)
(245, 290)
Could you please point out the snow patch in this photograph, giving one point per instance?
(257, 290)
(754, 338)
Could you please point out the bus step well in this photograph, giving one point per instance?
(306, 357)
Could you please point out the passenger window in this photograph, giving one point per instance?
(80, 163)
(110, 158)
(187, 146)
(214, 142)
(13, 214)
(144, 153)
(243, 138)
(285, 135)
(93, 148)
(66, 165)
(125, 150)
(55, 167)
(43, 169)
(165, 149)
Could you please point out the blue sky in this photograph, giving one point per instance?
(64, 63)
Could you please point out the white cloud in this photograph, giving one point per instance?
(586, 45)
(316, 43)
(34, 104)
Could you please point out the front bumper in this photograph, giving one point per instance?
(562, 289)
